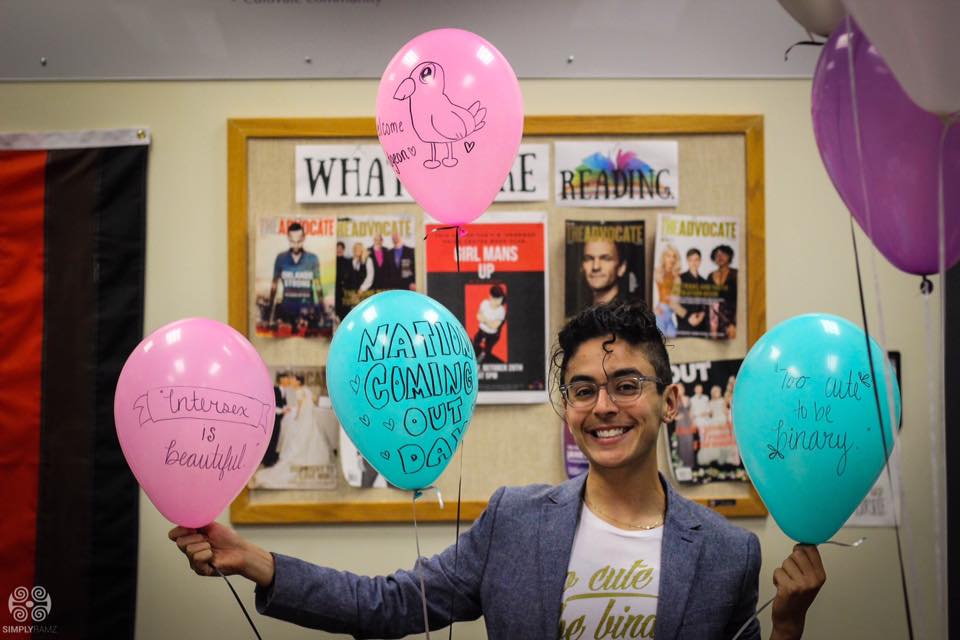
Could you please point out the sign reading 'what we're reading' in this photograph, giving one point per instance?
(356, 173)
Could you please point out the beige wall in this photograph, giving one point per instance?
(809, 268)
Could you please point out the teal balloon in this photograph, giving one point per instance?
(402, 377)
(806, 421)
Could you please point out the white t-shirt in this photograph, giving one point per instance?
(612, 582)
(492, 316)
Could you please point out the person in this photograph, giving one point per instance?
(717, 444)
(400, 268)
(604, 265)
(614, 547)
(381, 268)
(360, 275)
(272, 452)
(299, 272)
(693, 319)
(490, 318)
(684, 430)
(666, 277)
(723, 312)
(343, 266)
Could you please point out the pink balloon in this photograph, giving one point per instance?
(194, 410)
(901, 150)
(450, 119)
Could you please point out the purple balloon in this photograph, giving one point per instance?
(901, 147)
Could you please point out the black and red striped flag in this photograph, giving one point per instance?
(72, 240)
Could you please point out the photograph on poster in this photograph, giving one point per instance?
(303, 448)
(695, 276)
(702, 443)
(604, 262)
(295, 276)
(498, 291)
(374, 253)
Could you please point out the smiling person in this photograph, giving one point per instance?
(604, 266)
(612, 553)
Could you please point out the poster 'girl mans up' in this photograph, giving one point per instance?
(695, 276)
(500, 296)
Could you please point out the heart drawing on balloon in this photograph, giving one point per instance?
(416, 417)
(469, 146)
(412, 151)
(355, 384)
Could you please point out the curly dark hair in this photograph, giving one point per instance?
(629, 320)
(725, 248)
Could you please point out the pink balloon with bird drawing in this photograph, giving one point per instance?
(450, 119)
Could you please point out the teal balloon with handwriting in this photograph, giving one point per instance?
(402, 376)
(806, 419)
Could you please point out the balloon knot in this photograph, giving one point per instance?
(926, 286)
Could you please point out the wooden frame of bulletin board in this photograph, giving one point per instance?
(721, 166)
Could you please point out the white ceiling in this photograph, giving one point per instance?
(232, 39)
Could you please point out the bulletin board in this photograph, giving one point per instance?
(721, 172)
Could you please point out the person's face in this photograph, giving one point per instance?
(296, 241)
(716, 393)
(693, 262)
(378, 241)
(721, 259)
(340, 248)
(669, 260)
(601, 264)
(397, 240)
(613, 436)
(495, 301)
(358, 250)
(698, 390)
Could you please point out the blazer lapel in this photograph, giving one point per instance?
(559, 516)
(679, 557)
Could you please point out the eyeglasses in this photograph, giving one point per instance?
(623, 390)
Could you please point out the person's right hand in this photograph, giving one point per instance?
(212, 546)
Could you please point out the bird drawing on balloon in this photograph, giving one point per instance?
(436, 119)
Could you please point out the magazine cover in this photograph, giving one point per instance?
(695, 276)
(604, 262)
(702, 444)
(574, 462)
(302, 451)
(374, 254)
(500, 295)
(295, 276)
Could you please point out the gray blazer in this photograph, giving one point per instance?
(511, 568)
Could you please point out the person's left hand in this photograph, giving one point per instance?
(798, 581)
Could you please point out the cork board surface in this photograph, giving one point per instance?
(720, 162)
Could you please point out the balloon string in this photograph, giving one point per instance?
(456, 544)
(456, 240)
(802, 43)
(938, 423)
(418, 565)
(863, 310)
(743, 627)
(239, 602)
